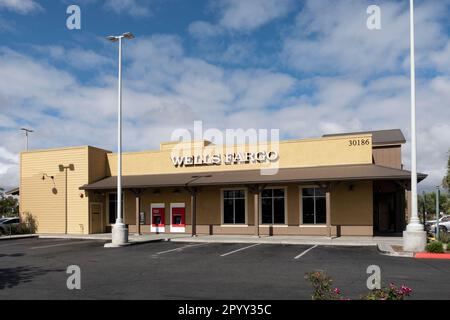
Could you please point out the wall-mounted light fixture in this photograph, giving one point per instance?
(44, 176)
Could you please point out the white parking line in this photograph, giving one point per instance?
(231, 252)
(184, 247)
(305, 252)
(61, 244)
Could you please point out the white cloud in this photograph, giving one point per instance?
(132, 7)
(331, 37)
(20, 6)
(203, 29)
(251, 14)
(241, 16)
(76, 57)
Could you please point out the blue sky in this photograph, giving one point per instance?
(305, 67)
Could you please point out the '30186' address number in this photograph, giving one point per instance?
(358, 142)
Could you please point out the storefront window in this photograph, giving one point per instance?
(234, 206)
(314, 206)
(112, 207)
(272, 206)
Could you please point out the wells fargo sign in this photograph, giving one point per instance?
(227, 158)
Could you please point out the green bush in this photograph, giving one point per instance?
(322, 285)
(27, 225)
(444, 237)
(392, 292)
(323, 289)
(435, 247)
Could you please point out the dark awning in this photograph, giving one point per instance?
(13, 192)
(286, 175)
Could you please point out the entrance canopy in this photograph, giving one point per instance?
(244, 177)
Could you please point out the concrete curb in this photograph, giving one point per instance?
(263, 241)
(87, 237)
(19, 236)
(387, 250)
(132, 243)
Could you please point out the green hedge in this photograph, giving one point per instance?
(435, 247)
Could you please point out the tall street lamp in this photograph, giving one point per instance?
(26, 136)
(414, 238)
(119, 231)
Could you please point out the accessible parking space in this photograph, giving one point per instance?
(167, 270)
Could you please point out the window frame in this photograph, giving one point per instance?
(285, 189)
(300, 193)
(107, 223)
(222, 198)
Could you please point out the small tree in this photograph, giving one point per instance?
(446, 180)
(9, 206)
(430, 203)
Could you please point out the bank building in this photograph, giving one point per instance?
(340, 184)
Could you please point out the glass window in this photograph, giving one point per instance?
(314, 208)
(234, 206)
(112, 207)
(272, 206)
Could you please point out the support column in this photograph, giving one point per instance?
(328, 210)
(138, 220)
(193, 212)
(256, 211)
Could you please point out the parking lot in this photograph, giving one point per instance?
(36, 269)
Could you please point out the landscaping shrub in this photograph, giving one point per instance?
(322, 285)
(444, 237)
(392, 292)
(27, 225)
(323, 289)
(435, 247)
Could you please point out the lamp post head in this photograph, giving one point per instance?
(128, 35)
(112, 38)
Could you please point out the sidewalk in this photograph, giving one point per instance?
(308, 240)
(132, 238)
(19, 236)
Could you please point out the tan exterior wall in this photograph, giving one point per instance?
(296, 153)
(389, 156)
(351, 210)
(45, 200)
(352, 207)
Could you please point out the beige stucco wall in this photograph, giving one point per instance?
(295, 153)
(352, 207)
(45, 200)
(92, 164)
(351, 210)
(46, 204)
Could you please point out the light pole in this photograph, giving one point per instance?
(437, 212)
(414, 238)
(26, 136)
(62, 168)
(119, 231)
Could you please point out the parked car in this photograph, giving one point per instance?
(5, 223)
(444, 224)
